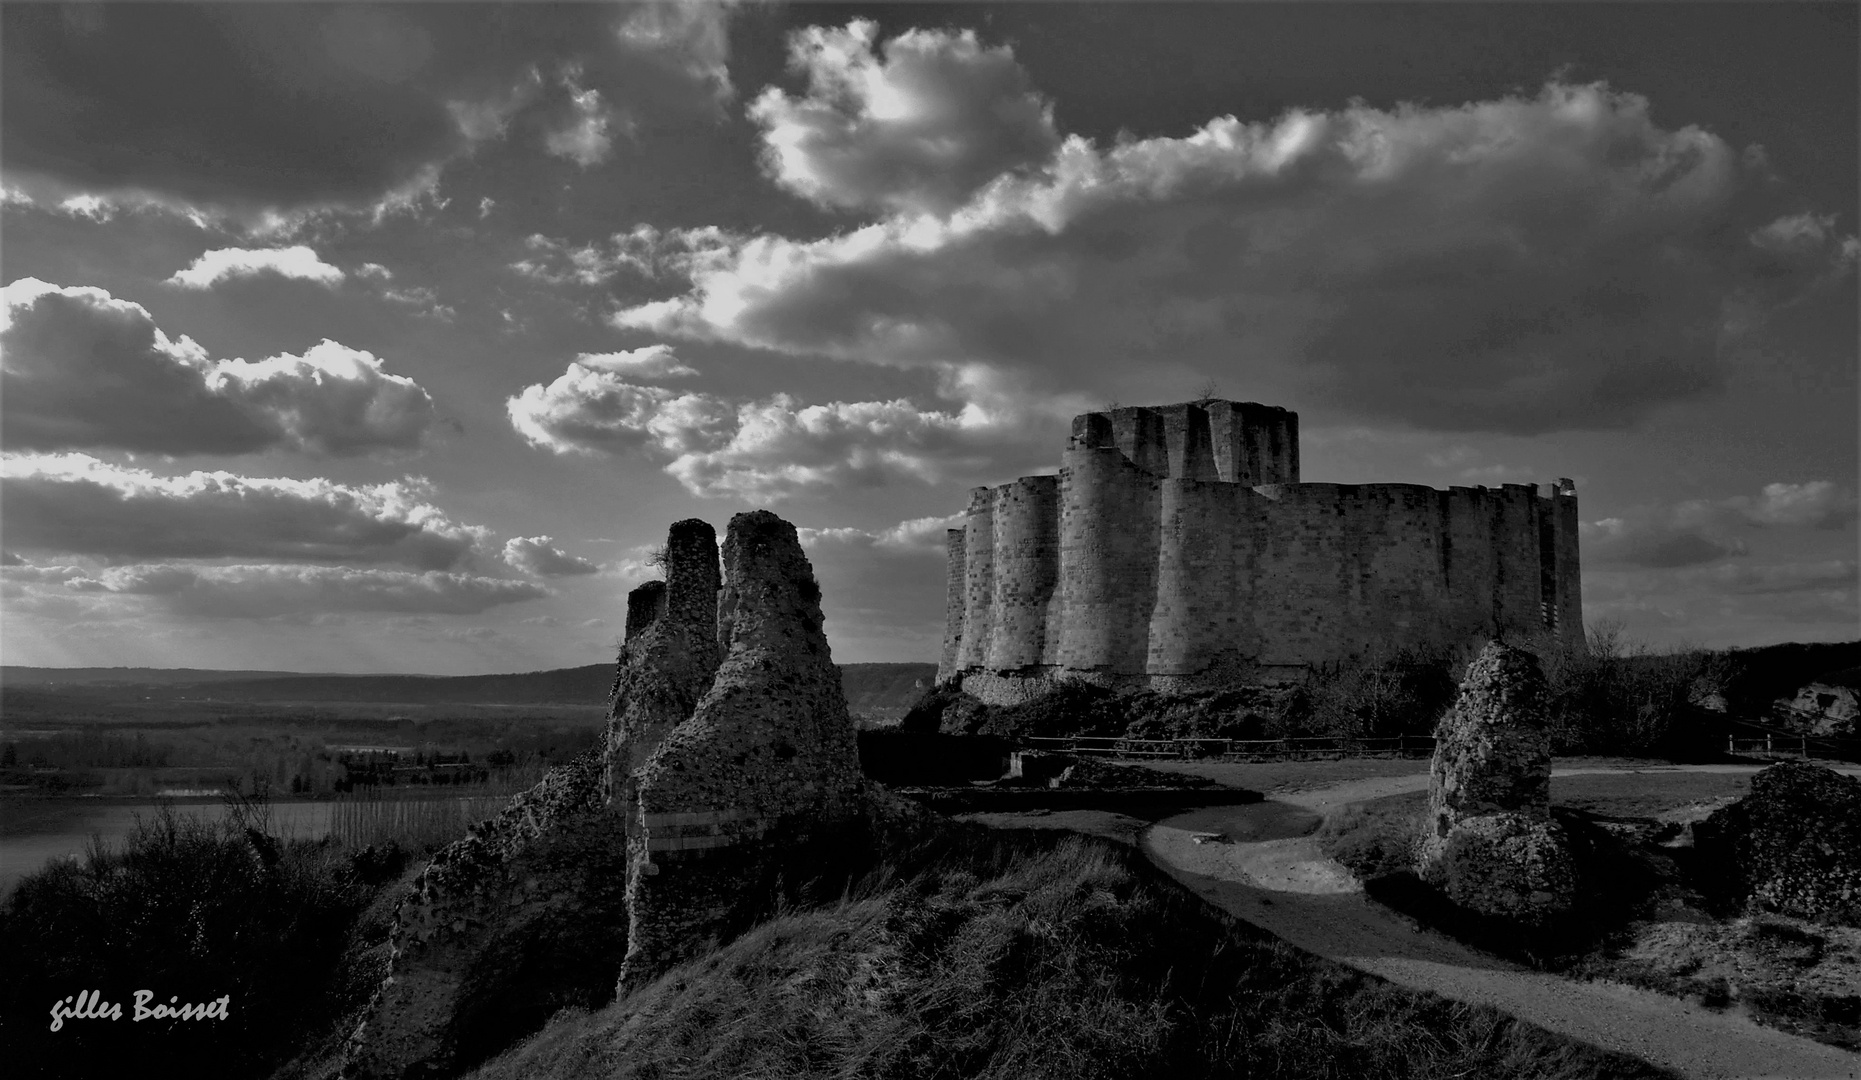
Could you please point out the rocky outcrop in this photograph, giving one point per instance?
(765, 764)
(1794, 844)
(496, 891)
(1488, 841)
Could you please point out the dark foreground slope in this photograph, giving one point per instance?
(1018, 955)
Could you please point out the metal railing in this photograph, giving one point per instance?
(1301, 749)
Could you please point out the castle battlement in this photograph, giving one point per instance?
(1177, 548)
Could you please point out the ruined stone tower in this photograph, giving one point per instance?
(731, 741)
(1178, 549)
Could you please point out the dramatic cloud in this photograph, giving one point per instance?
(268, 591)
(538, 555)
(762, 449)
(81, 506)
(1526, 264)
(1704, 530)
(297, 262)
(85, 371)
(921, 129)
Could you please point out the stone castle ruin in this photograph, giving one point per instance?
(1178, 550)
(730, 741)
(730, 762)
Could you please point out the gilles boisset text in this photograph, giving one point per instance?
(88, 1005)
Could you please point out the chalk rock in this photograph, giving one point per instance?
(669, 657)
(766, 760)
(1488, 841)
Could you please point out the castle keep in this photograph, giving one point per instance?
(1177, 549)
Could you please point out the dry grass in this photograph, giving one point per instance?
(1017, 955)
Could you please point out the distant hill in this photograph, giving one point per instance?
(870, 688)
(1762, 675)
(13, 676)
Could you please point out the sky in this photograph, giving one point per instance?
(393, 338)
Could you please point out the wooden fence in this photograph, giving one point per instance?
(1307, 749)
(1805, 747)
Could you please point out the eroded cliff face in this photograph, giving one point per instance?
(1489, 842)
(765, 764)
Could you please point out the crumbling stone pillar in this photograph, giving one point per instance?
(1489, 842)
(669, 657)
(766, 762)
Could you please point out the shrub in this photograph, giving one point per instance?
(197, 909)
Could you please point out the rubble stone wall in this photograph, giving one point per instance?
(766, 759)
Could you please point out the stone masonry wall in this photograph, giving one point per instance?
(1163, 568)
(667, 665)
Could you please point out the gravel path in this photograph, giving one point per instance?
(1266, 868)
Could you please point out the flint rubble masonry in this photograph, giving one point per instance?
(1488, 841)
(765, 759)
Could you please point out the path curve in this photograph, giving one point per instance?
(1268, 870)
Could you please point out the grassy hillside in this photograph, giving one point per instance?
(1023, 956)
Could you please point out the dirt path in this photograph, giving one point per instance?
(1266, 868)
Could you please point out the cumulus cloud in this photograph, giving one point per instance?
(74, 504)
(1525, 264)
(1706, 530)
(917, 129)
(650, 362)
(585, 139)
(764, 449)
(299, 262)
(538, 556)
(267, 591)
(83, 370)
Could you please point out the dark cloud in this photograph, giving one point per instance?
(256, 110)
(1706, 530)
(84, 371)
(78, 505)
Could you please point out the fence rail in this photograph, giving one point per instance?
(1806, 747)
(1303, 749)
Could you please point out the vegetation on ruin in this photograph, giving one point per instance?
(990, 954)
